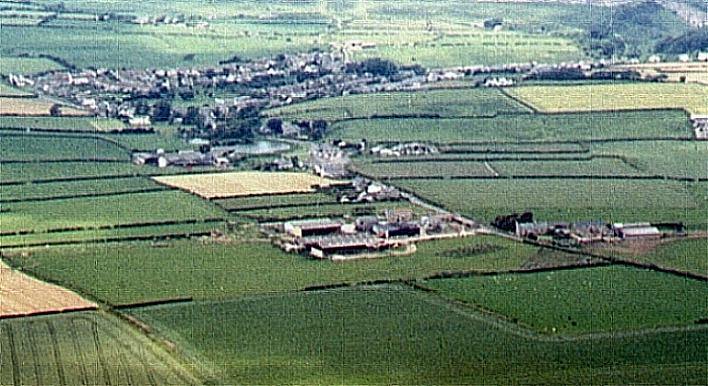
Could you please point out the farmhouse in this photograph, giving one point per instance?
(316, 227)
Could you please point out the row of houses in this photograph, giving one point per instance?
(585, 232)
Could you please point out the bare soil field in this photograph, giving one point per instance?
(23, 295)
(33, 107)
(237, 184)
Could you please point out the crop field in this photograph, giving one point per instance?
(86, 348)
(259, 202)
(89, 124)
(32, 107)
(235, 184)
(604, 299)
(569, 199)
(91, 212)
(54, 190)
(443, 103)
(26, 66)
(23, 295)
(239, 268)
(154, 232)
(517, 128)
(21, 147)
(625, 96)
(326, 210)
(393, 335)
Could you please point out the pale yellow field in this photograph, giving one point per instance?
(33, 107)
(624, 96)
(235, 184)
(694, 72)
(23, 295)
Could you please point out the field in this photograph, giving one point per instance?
(234, 184)
(92, 212)
(279, 200)
(26, 66)
(25, 147)
(569, 199)
(89, 124)
(9, 91)
(325, 210)
(685, 255)
(23, 295)
(402, 170)
(86, 348)
(392, 335)
(675, 71)
(519, 128)
(624, 96)
(572, 302)
(56, 190)
(442, 103)
(206, 270)
(32, 107)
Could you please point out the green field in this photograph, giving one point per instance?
(605, 299)
(595, 167)
(385, 170)
(206, 270)
(37, 171)
(25, 66)
(155, 232)
(518, 128)
(47, 148)
(325, 210)
(90, 124)
(90, 212)
(75, 188)
(393, 335)
(662, 158)
(246, 203)
(86, 348)
(570, 199)
(624, 96)
(9, 91)
(685, 255)
(443, 103)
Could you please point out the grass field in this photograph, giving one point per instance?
(48, 148)
(90, 212)
(83, 348)
(605, 299)
(23, 295)
(443, 103)
(234, 184)
(207, 270)
(326, 210)
(90, 124)
(424, 169)
(154, 232)
(33, 107)
(662, 158)
(38, 171)
(246, 203)
(26, 66)
(9, 91)
(570, 200)
(624, 96)
(516, 128)
(75, 188)
(391, 335)
(685, 255)
(595, 167)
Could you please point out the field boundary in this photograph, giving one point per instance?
(86, 195)
(114, 226)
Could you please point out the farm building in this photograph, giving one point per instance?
(406, 229)
(366, 223)
(636, 231)
(316, 227)
(321, 247)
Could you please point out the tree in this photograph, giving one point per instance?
(55, 110)
(162, 111)
(275, 126)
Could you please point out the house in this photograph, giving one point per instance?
(315, 227)
(684, 58)
(703, 56)
(366, 223)
(654, 59)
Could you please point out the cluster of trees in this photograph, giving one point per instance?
(374, 66)
(508, 222)
(691, 41)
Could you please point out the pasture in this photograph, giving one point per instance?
(581, 301)
(234, 184)
(86, 348)
(26, 147)
(440, 103)
(93, 212)
(569, 199)
(9, 91)
(54, 190)
(326, 210)
(279, 200)
(393, 335)
(23, 295)
(215, 270)
(26, 66)
(88, 124)
(685, 255)
(505, 129)
(623, 96)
